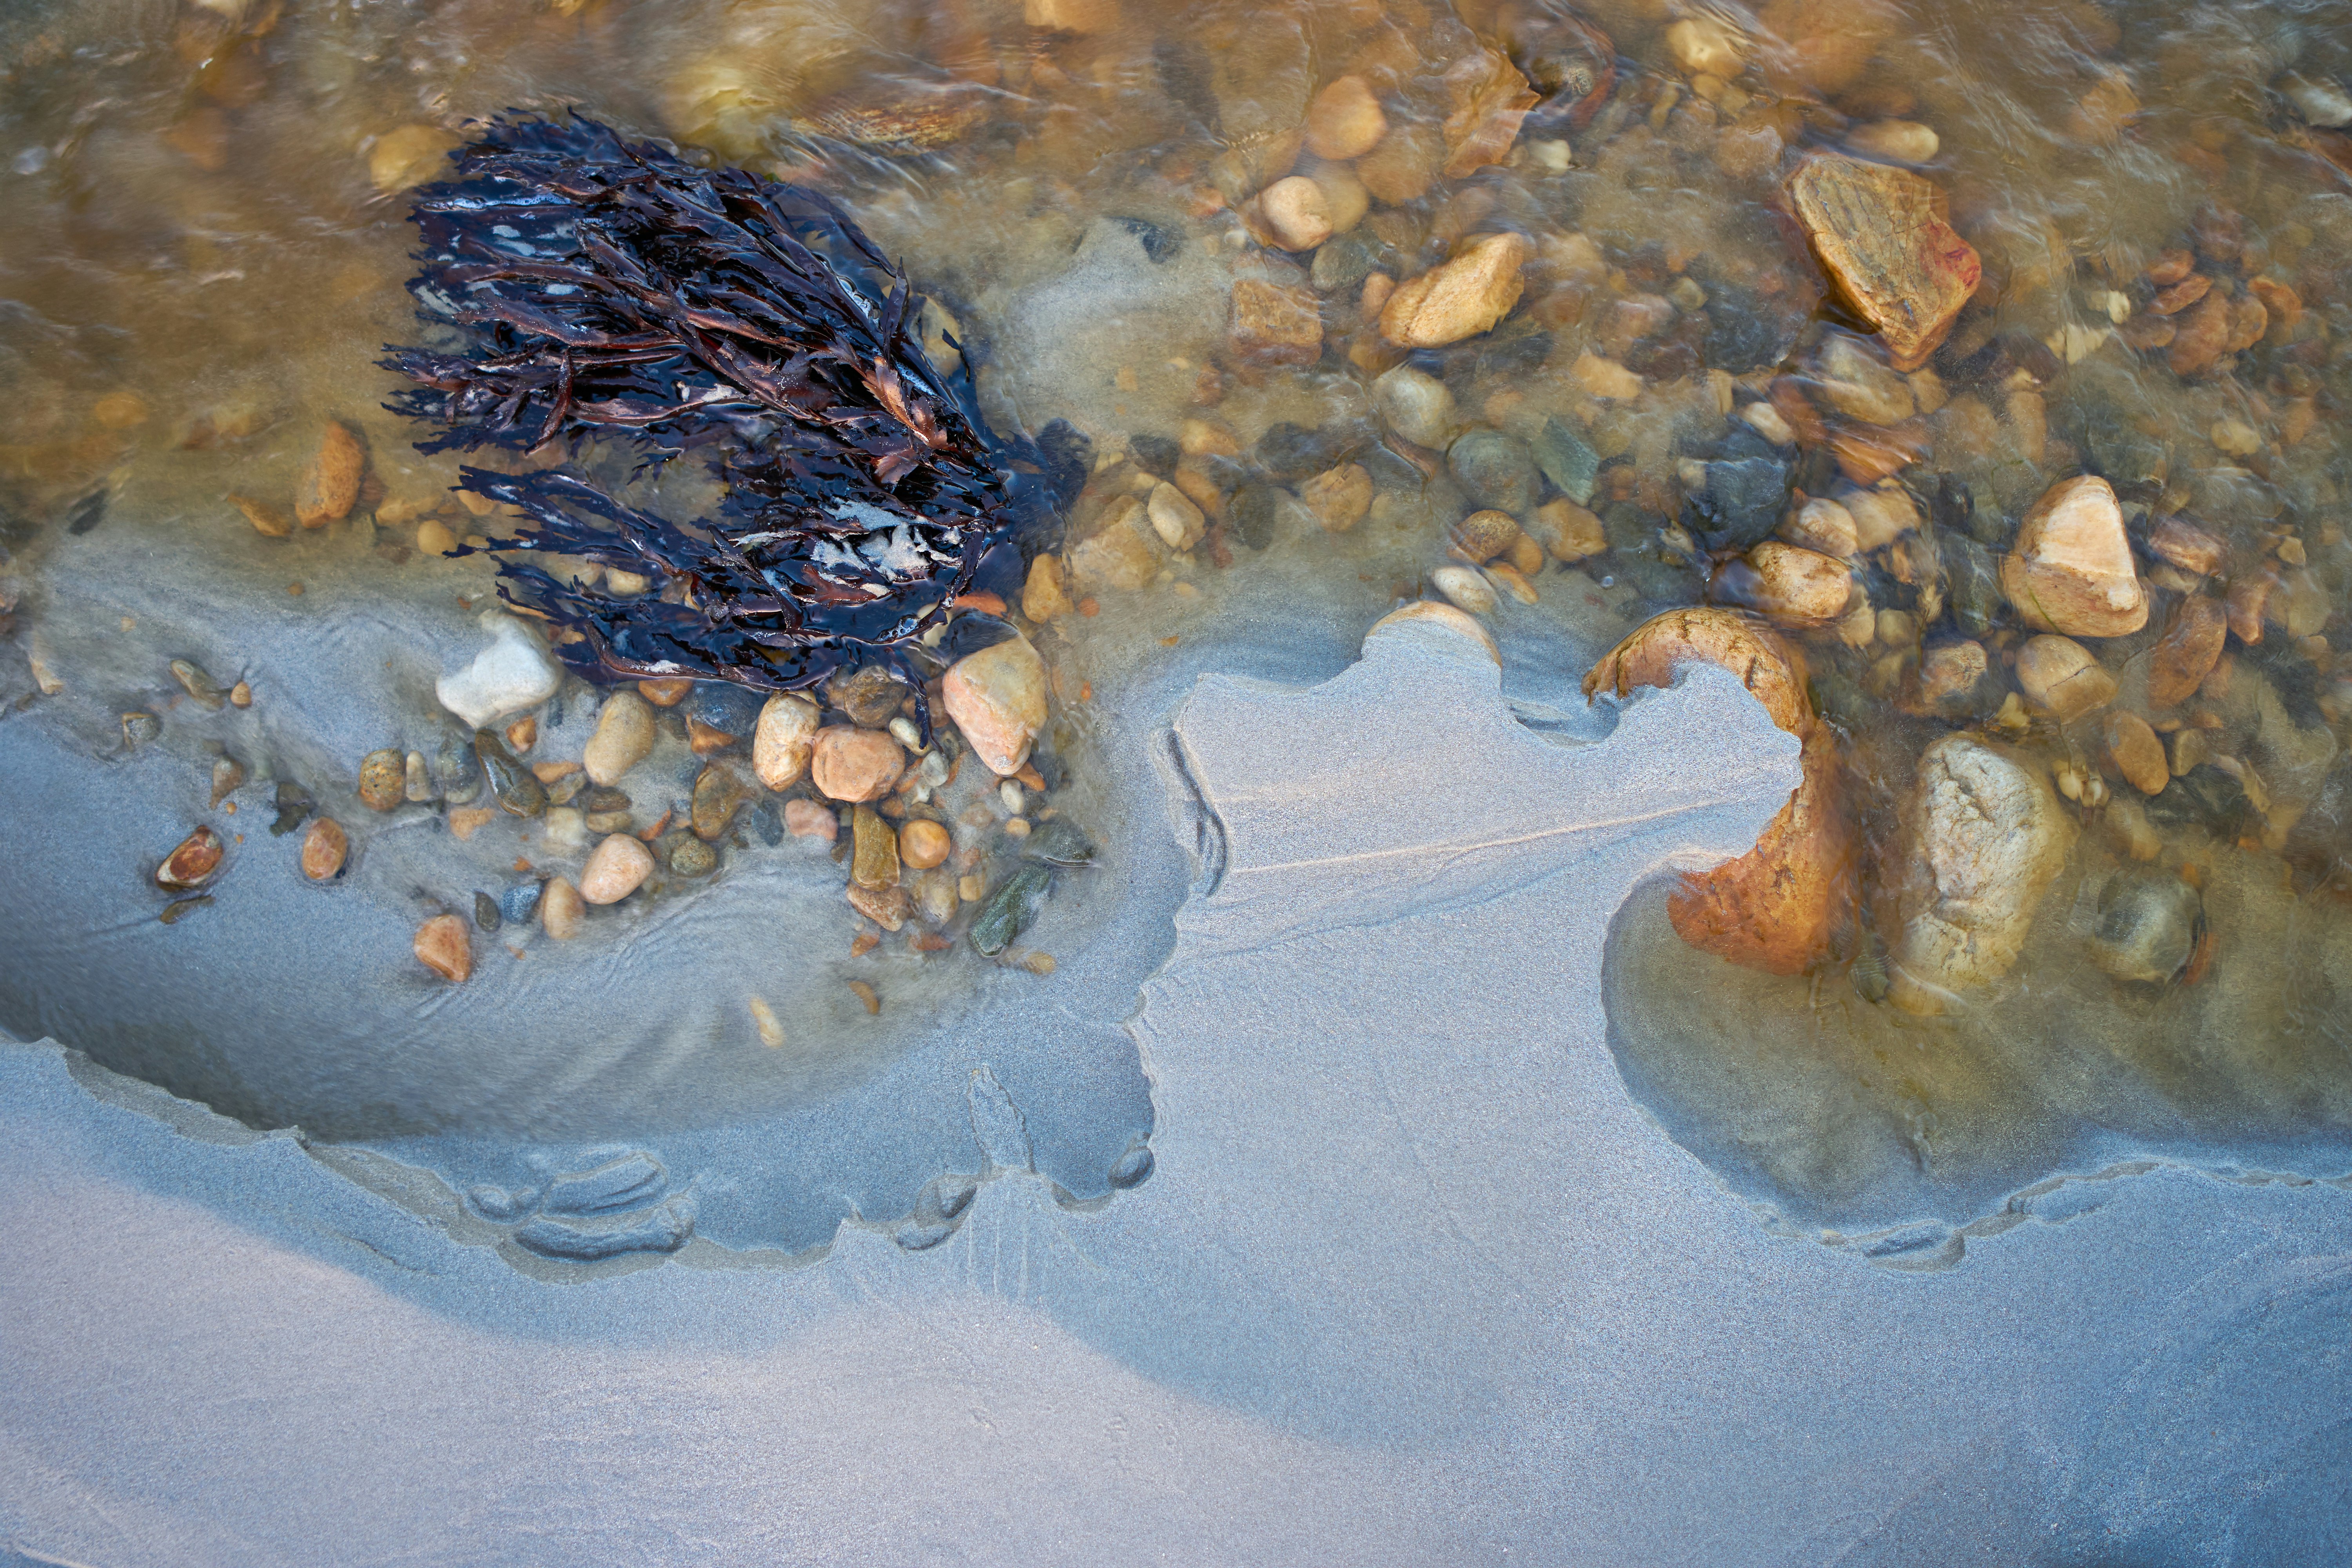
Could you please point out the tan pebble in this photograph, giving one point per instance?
(623, 737)
(1605, 378)
(1792, 586)
(1882, 235)
(2185, 655)
(783, 740)
(1512, 580)
(616, 867)
(522, 735)
(267, 520)
(867, 994)
(1037, 963)
(997, 698)
(626, 585)
(1275, 323)
(1405, 165)
(324, 845)
(704, 740)
(1345, 120)
(666, 693)
(886, 906)
(416, 778)
(1569, 531)
(240, 695)
(2137, 754)
(1174, 518)
(2071, 568)
(561, 909)
(852, 764)
(1704, 45)
(1897, 141)
(465, 821)
(971, 887)
(2186, 546)
(807, 819)
(2061, 675)
(1044, 596)
(1526, 557)
(121, 410)
(1338, 498)
(922, 844)
(434, 539)
(330, 486)
(383, 779)
(446, 947)
(1461, 298)
(1483, 535)
(1294, 215)
(548, 773)
(1466, 589)
(409, 155)
(764, 1019)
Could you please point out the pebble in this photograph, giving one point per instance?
(240, 695)
(616, 867)
(1294, 215)
(1950, 676)
(1881, 235)
(874, 852)
(1605, 378)
(1987, 836)
(488, 916)
(808, 819)
(1043, 596)
(409, 155)
(1338, 498)
(623, 738)
(1466, 589)
(2200, 335)
(2137, 754)
(383, 779)
(560, 910)
(511, 675)
(434, 538)
(515, 787)
(1880, 516)
(1567, 460)
(1788, 585)
(2146, 927)
(853, 764)
(719, 792)
(1178, 523)
(867, 695)
(330, 486)
(1704, 45)
(1461, 298)
(1345, 120)
(228, 774)
(2321, 103)
(1566, 530)
(1497, 470)
(886, 906)
(764, 1019)
(138, 727)
(1275, 323)
(2063, 676)
(446, 947)
(197, 685)
(1897, 141)
(293, 804)
(193, 862)
(2071, 569)
(2236, 437)
(1767, 422)
(1859, 384)
(1483, 535)
(667, 692)
(923, 844)
(1415, 406)
(416, 779)
(1823, 525)
(691, 856)
(565, 827)
(269, 521)
(2185, 655)
(781, 739)
(2186, 546)
(1011, 908)
(997, 698)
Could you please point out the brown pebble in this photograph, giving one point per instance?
(2170, 266)
(886, 906)
(929, 942)
(2250, 597)
(444, 946)
(2186, 654)
(383, 779)
(329, 487)
(192, 863)
(874, 862)
(464, 820)
(703, 739)
(1037, 963)
(2137, 754)
(560, 910)
(267, 520)
(923, 844)
(864, 943)
(665, 693)
(522, 735)
(2181, 295)
(240, 695)
(2186, 546)
(324, 845)
(548, 773)
(865, 994)
(851, 765)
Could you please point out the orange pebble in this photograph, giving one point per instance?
(922, 844)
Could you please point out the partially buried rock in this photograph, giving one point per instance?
(511, 675)
(2186, 654)
(1788, 585)
(615, 868)
(2137, 754)
(2071, 570)
(1496, 469)
(691, 856)
(1042, 595)
(330, 486)
(2147, 925)
(783, 740)
(1275, 323)
(1776, 907)
(1468, 590)
(874, 850)
(1566, 531)
(1463, 298)
(997, 698)
(852, 764)
(1417, 406)
(192, 863)
(383, 779)
(515, 787)
(1338, 498)
(1883, 237)
(2061, 675)
(1984, 835)
(324, 845)
(719, 792)
(446, 947)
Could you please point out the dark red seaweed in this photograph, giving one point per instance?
(609, 290)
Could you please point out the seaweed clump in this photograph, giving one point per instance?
(605, 288)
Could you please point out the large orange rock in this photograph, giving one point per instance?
(1777, 907)
(1882, 237)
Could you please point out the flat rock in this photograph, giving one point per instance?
(2071, 570)
(1882, 235)
(2186, 654)
(1460, 299)
(2063, 676)
(511, 675)
(997, 698)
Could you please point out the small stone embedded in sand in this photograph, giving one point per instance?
(1345, 120)
(2137, 754)
(383, 779)
(782, 741)
(2061, 675)
(269, 521)
(1174, 518)
(228, 775)
(409, 155)
(886, 906)
(416, 778)
(435, 539)
(852, 764)
(2185, 655)
(324, 845)
(560, 910)
(616, 867)
(1985, 835)
(193, 862)
(1461, 298)
(1275, 323)
(874, 850)
(997, 698)
(2071, 569)
(511, 675)
(1042, 595)
(1883, 237)
(1468, 590)
(808, 819)
(764, 1019)
(515, 787)
(923, 844)
(444, 946)
(1338, 497)
(330, 486)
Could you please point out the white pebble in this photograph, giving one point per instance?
(1013, 797)
(511, 675)
(905, 732)
(1466, 589)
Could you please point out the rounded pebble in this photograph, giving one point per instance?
(923, 844)
(324, 846)
(444, 946)
(560, 910)
(383, 779)
(1466, 589)
(615, 868)
(624, 733)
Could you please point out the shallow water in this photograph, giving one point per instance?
(209, 253)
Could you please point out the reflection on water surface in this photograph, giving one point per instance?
(1980, 362)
